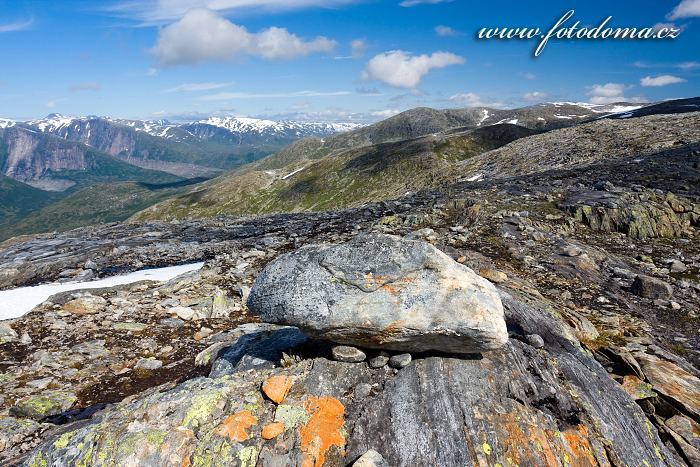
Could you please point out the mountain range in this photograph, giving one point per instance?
(98, 169)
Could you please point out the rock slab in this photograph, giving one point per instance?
(382, 291)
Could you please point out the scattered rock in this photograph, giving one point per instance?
(371, 459)
(677, 266)
(535, 340)
(378, 361)
(44, 405)
(172, 322)
(650, 287)
(381, 291)
(571, 250)
(7, 334)
(86, 305)
(345, 353)
(497, 277)
(148, 364)
(130, 327)
(400, 361)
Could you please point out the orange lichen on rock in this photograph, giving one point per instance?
(277, 387)
(523, 439)
(580, 447)
(322, 430)
(236, 426)
(273, 430)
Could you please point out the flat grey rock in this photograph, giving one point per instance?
(346, 353)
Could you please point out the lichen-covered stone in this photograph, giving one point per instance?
(382, 291)
(42, 406)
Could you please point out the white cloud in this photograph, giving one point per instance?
(410, 3)
(534, 96)
(527, 75)
(689, 65)
(17, 25)
(193, 87)
(681, 66)
(89, 86)
(203, 35)
(609, 93)
(445, 31)
(358, 47)
(385, 113)
(225, 96)
(685, 9)
(669, 26)
(403, 70)
(661, 80)
(470, 99)
(159, 11)
(53, 103)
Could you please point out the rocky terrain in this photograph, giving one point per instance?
(90, 163)
(588, 253)
(313, 175)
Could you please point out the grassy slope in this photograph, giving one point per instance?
(109, 190)
(110, 202)
(18, 199)
(334, 178)
(203, 153)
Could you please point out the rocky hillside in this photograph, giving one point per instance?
(190, 150)
(592, 268)
(313, 175)
(310, 176)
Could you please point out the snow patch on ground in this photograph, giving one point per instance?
(18, 302)
(292, 173)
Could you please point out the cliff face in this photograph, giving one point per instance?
(31, 155)
(100, 134)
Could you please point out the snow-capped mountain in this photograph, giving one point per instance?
(254, 125)
(6, 123)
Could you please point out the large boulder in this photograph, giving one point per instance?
(382, 291)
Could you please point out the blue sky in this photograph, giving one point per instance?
(327, 59)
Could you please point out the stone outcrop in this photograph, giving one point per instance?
(534, 407)
(381, 291)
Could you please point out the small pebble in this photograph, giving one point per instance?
(400, 361)
(379, 361)
(345, 353)
(535, 340)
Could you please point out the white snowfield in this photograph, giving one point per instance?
(18, 302)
